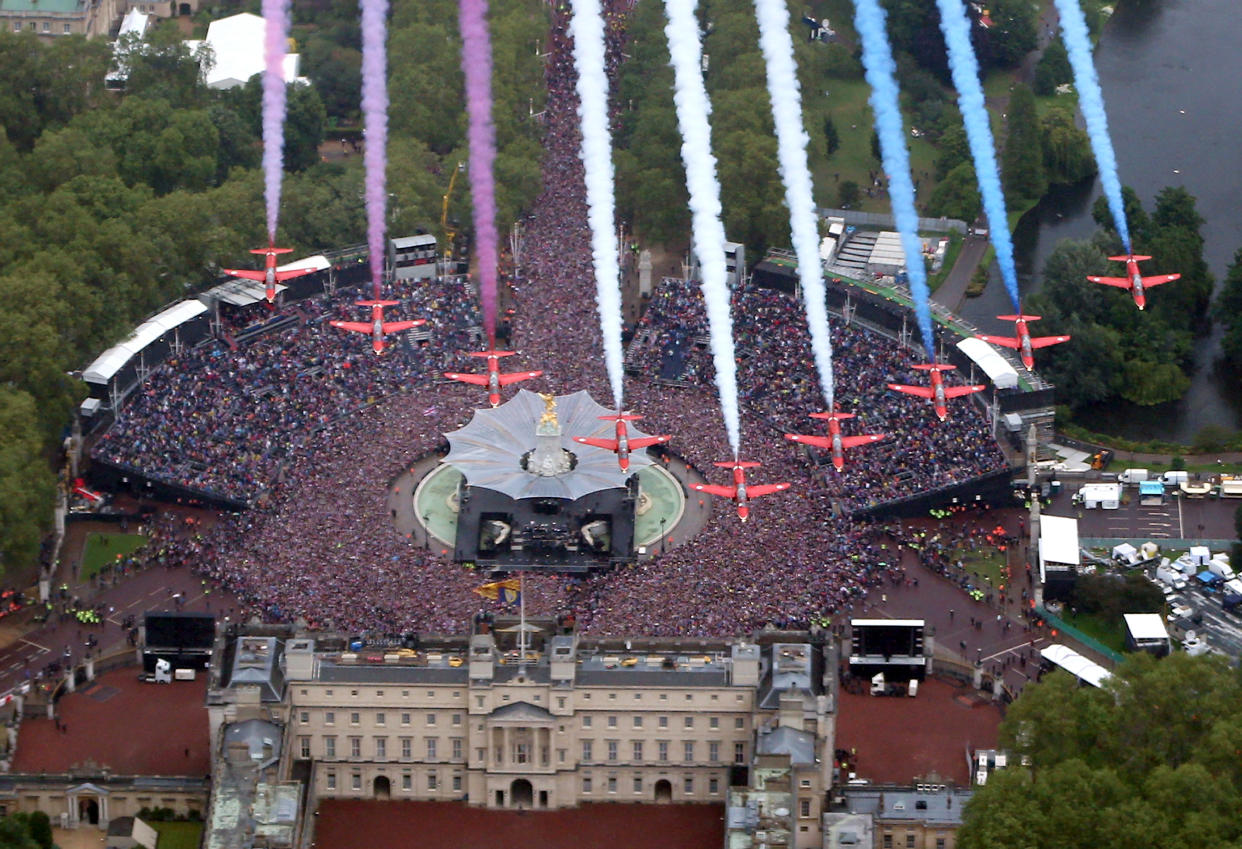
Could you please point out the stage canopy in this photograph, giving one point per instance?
(489, 450)
(996, 367)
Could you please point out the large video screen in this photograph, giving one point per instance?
(181, 630)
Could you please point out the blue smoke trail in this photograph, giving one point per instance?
(965, 68)
(778, 55)
(1091, 103)
(877, 58)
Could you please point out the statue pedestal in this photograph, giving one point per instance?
(549, 458)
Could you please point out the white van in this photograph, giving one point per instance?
(1171, 577)
(1218, 567)
(1175, 478)
(1132, 476)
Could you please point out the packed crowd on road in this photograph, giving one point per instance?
(292, 415)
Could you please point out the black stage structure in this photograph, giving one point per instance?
(533, 499)
(545, 534)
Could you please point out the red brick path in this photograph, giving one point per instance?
(143, 729)
(348, 824)
(899, 739)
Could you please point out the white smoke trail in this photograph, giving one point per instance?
(693, 111)
(778, 52)
(587, 29)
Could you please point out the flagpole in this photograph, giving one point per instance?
(522, 622)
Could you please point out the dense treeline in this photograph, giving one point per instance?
(651, 181)
(1144, 357)
(1150, 760)
(117, 203)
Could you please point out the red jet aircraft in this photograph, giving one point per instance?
(1025, 344)
(834, 441)
(269, 276)
(740, 492)
(1135, 281)
(622, 445)
(494, 379)
(937, 393)
(377, 327)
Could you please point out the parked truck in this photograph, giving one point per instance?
(1132, 476)
(1221, 568)
(1106, 496)
(1170, 576)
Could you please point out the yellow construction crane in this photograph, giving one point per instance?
(450, 233)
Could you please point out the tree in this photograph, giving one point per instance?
(304, 126)
(1148, 760)
(831, 140)
(40, 827)
(954, 149)
(1229, 311)
(1053, 68)
(914, 29)
(1022, 161)
(848, 194)
(876, 152)
(957, 195)
(1132, 208)
(15, 833)
(26, 485)
(163, 67)
(1066, 148)
(1012, 34)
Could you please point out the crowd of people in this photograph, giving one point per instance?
(225, 420)
(322, 546)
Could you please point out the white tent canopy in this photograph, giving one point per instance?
(996, 367)
(1058, 542)
(490, 448)
(240, 292)
(316, 263)
(236, 44)
(111, 361)
(1075, 664)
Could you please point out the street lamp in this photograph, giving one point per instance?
(663, 519)
(426, 532)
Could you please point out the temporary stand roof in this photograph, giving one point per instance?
(996, 367)
(1075, 664)
(110, 362)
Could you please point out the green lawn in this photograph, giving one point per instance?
(102, 549)
(178, 835)
(846, 102)
(1110, 633)
(986, 564)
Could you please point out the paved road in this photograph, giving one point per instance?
(952, 291)
(151, 589)
(945, 607)
(1177, 518)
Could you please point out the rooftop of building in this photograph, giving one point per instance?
(261, 656)
(933, 807)
(124, 725)
(49, 7)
